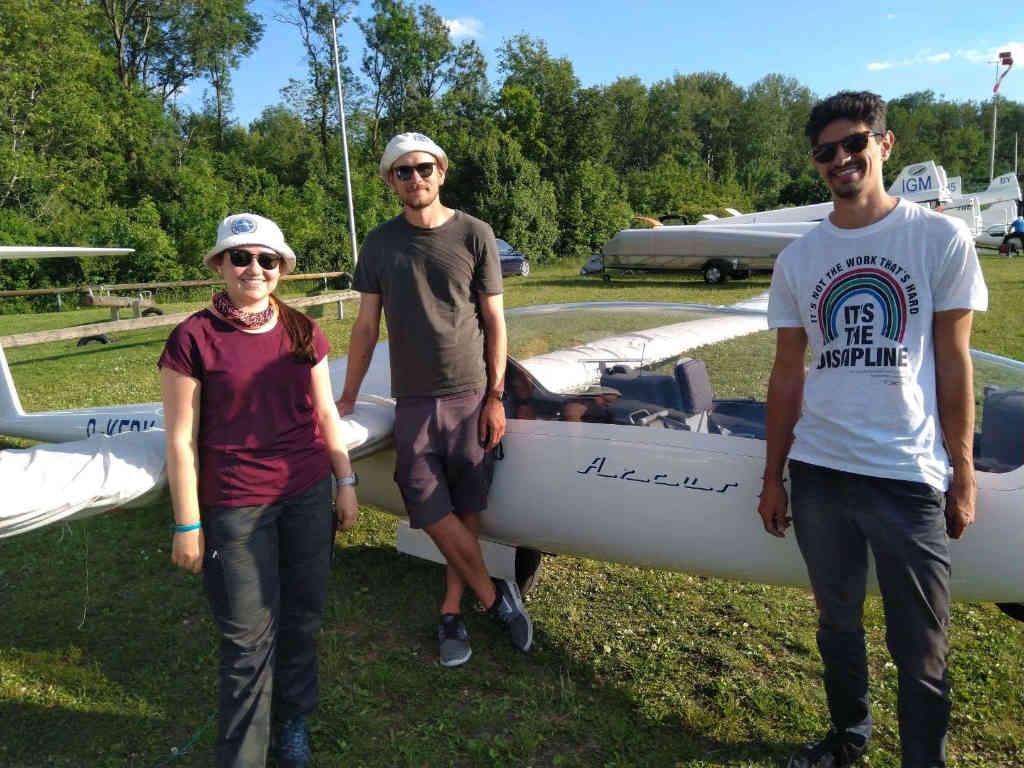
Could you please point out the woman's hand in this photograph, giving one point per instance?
(187, 550)
(346, 507)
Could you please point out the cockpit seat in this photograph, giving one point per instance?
(695, 392)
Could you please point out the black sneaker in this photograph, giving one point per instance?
(508, 609)
(291, 744)
(836, 750)
(454, 640)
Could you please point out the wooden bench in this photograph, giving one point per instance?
(102, 297)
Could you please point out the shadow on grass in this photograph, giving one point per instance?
(96, 739)
(549, 706)
(137, 676)
(88, 350)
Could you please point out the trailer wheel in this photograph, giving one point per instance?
(714, 274)
(524, 268)
(150, 311)
(527, 568)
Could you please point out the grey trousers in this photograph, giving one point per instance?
(837, 516)
(265, 571)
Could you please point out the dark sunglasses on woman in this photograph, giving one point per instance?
(854, 143)
(242, 258)
(404, 172)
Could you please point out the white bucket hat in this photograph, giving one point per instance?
(404, 143)
(240, 229)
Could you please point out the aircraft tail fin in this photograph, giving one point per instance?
(1006, 183)
(10, 403)
(922, 182)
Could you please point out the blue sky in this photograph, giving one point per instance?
(892, 49)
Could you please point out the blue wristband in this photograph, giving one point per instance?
(187, 528)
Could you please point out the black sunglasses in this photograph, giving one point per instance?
(854, 143)
(242, 258)
(404, 172)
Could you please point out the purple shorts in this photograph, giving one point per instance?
(441, 466)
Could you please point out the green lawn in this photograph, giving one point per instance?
(108, 656)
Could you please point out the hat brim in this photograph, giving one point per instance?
(392, 153)
(286, 253)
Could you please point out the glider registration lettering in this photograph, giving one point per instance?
(690, 483)
(117, 426)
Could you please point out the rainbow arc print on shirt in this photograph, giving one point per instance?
(854, 285)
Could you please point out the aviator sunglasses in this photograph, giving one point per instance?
(854, 143)
(404, 172)
(242, 258)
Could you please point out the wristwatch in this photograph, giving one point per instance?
(352, 479)
(495, 395)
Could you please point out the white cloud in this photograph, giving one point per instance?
(922, 57)
(989, 55)
(972, 55)
(890, 16)
(467, 26)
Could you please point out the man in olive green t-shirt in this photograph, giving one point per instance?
(434, 272)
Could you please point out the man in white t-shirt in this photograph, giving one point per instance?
(878, 429)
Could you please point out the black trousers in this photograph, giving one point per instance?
(837, 517)
(265, 571)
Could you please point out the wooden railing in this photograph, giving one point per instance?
(152, 286)
(100, 329)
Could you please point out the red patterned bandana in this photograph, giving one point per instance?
(227, 308)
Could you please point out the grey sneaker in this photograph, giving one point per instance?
(509, 610)
(454, 640)
(291, 747)
(835, 750)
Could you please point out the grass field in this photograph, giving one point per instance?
(108, 656)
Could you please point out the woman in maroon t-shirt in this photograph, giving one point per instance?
(253, 435)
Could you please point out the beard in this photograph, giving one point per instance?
(418, 202)
(847, 190)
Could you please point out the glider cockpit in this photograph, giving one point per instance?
(681, 400)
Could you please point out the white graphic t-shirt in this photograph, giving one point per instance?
(866, 298)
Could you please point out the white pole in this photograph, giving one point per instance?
(995, 102)
(344, 144)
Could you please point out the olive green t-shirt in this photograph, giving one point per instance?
(428, 281)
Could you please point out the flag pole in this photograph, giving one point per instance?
(344, 143)
(1005, 59)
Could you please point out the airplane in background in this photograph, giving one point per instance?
(1002, 202)
(736, 245)
(923, 183)
(986, 213)
(616, 449)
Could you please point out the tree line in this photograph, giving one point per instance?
(95, 151)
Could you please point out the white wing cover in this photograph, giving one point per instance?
(50, 483)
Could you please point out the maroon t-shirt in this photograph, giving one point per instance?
(258, 437)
